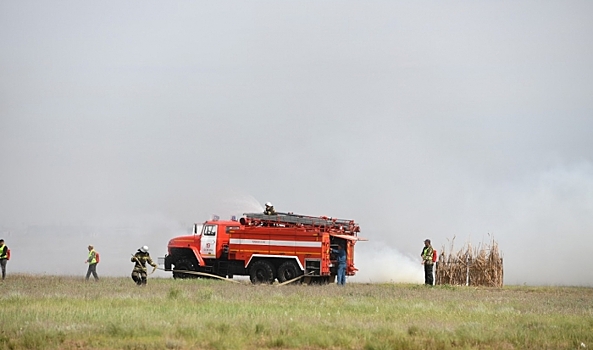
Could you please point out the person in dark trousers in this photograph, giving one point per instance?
(269, 209)
(341, 257)
(427, 262)
(140, 259)
(4, 257)
(92, 261)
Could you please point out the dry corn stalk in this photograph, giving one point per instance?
(481, 266)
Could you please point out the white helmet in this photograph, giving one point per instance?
(144, 249)
(268, 204)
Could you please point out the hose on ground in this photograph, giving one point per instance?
(202, 274)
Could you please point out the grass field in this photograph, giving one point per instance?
(50, 312)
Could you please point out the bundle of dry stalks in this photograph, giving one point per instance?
(481, 266)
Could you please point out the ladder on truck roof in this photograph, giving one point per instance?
(292, 220)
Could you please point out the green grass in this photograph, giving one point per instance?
(49, 312)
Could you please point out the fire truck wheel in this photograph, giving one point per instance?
(287, 271)
(186, 265)
(261, 272)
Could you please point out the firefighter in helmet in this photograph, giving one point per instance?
(140, 259)
(269, 209)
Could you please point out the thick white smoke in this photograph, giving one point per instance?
(379, 263)
(61, 249)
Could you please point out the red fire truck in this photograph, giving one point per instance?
(282, 246)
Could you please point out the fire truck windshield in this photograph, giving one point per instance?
(198, 229)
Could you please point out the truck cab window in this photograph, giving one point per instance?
(210, 230)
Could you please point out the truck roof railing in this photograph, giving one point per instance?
(293, 220)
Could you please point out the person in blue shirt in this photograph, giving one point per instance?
(341, 257)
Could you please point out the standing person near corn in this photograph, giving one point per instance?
(427, 262)
(92, 261)
(140, 259)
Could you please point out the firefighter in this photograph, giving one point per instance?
(269, 209)
(140, 259)
(427, 262)
(341, 257)
(92, 261)
(4, 257)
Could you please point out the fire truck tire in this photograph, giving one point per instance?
(287, 271)
(186, 265)
(261, 272)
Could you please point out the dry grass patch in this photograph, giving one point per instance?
(65, 312)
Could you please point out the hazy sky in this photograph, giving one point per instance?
(129, 121)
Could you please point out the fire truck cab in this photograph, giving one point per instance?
(266, 248)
